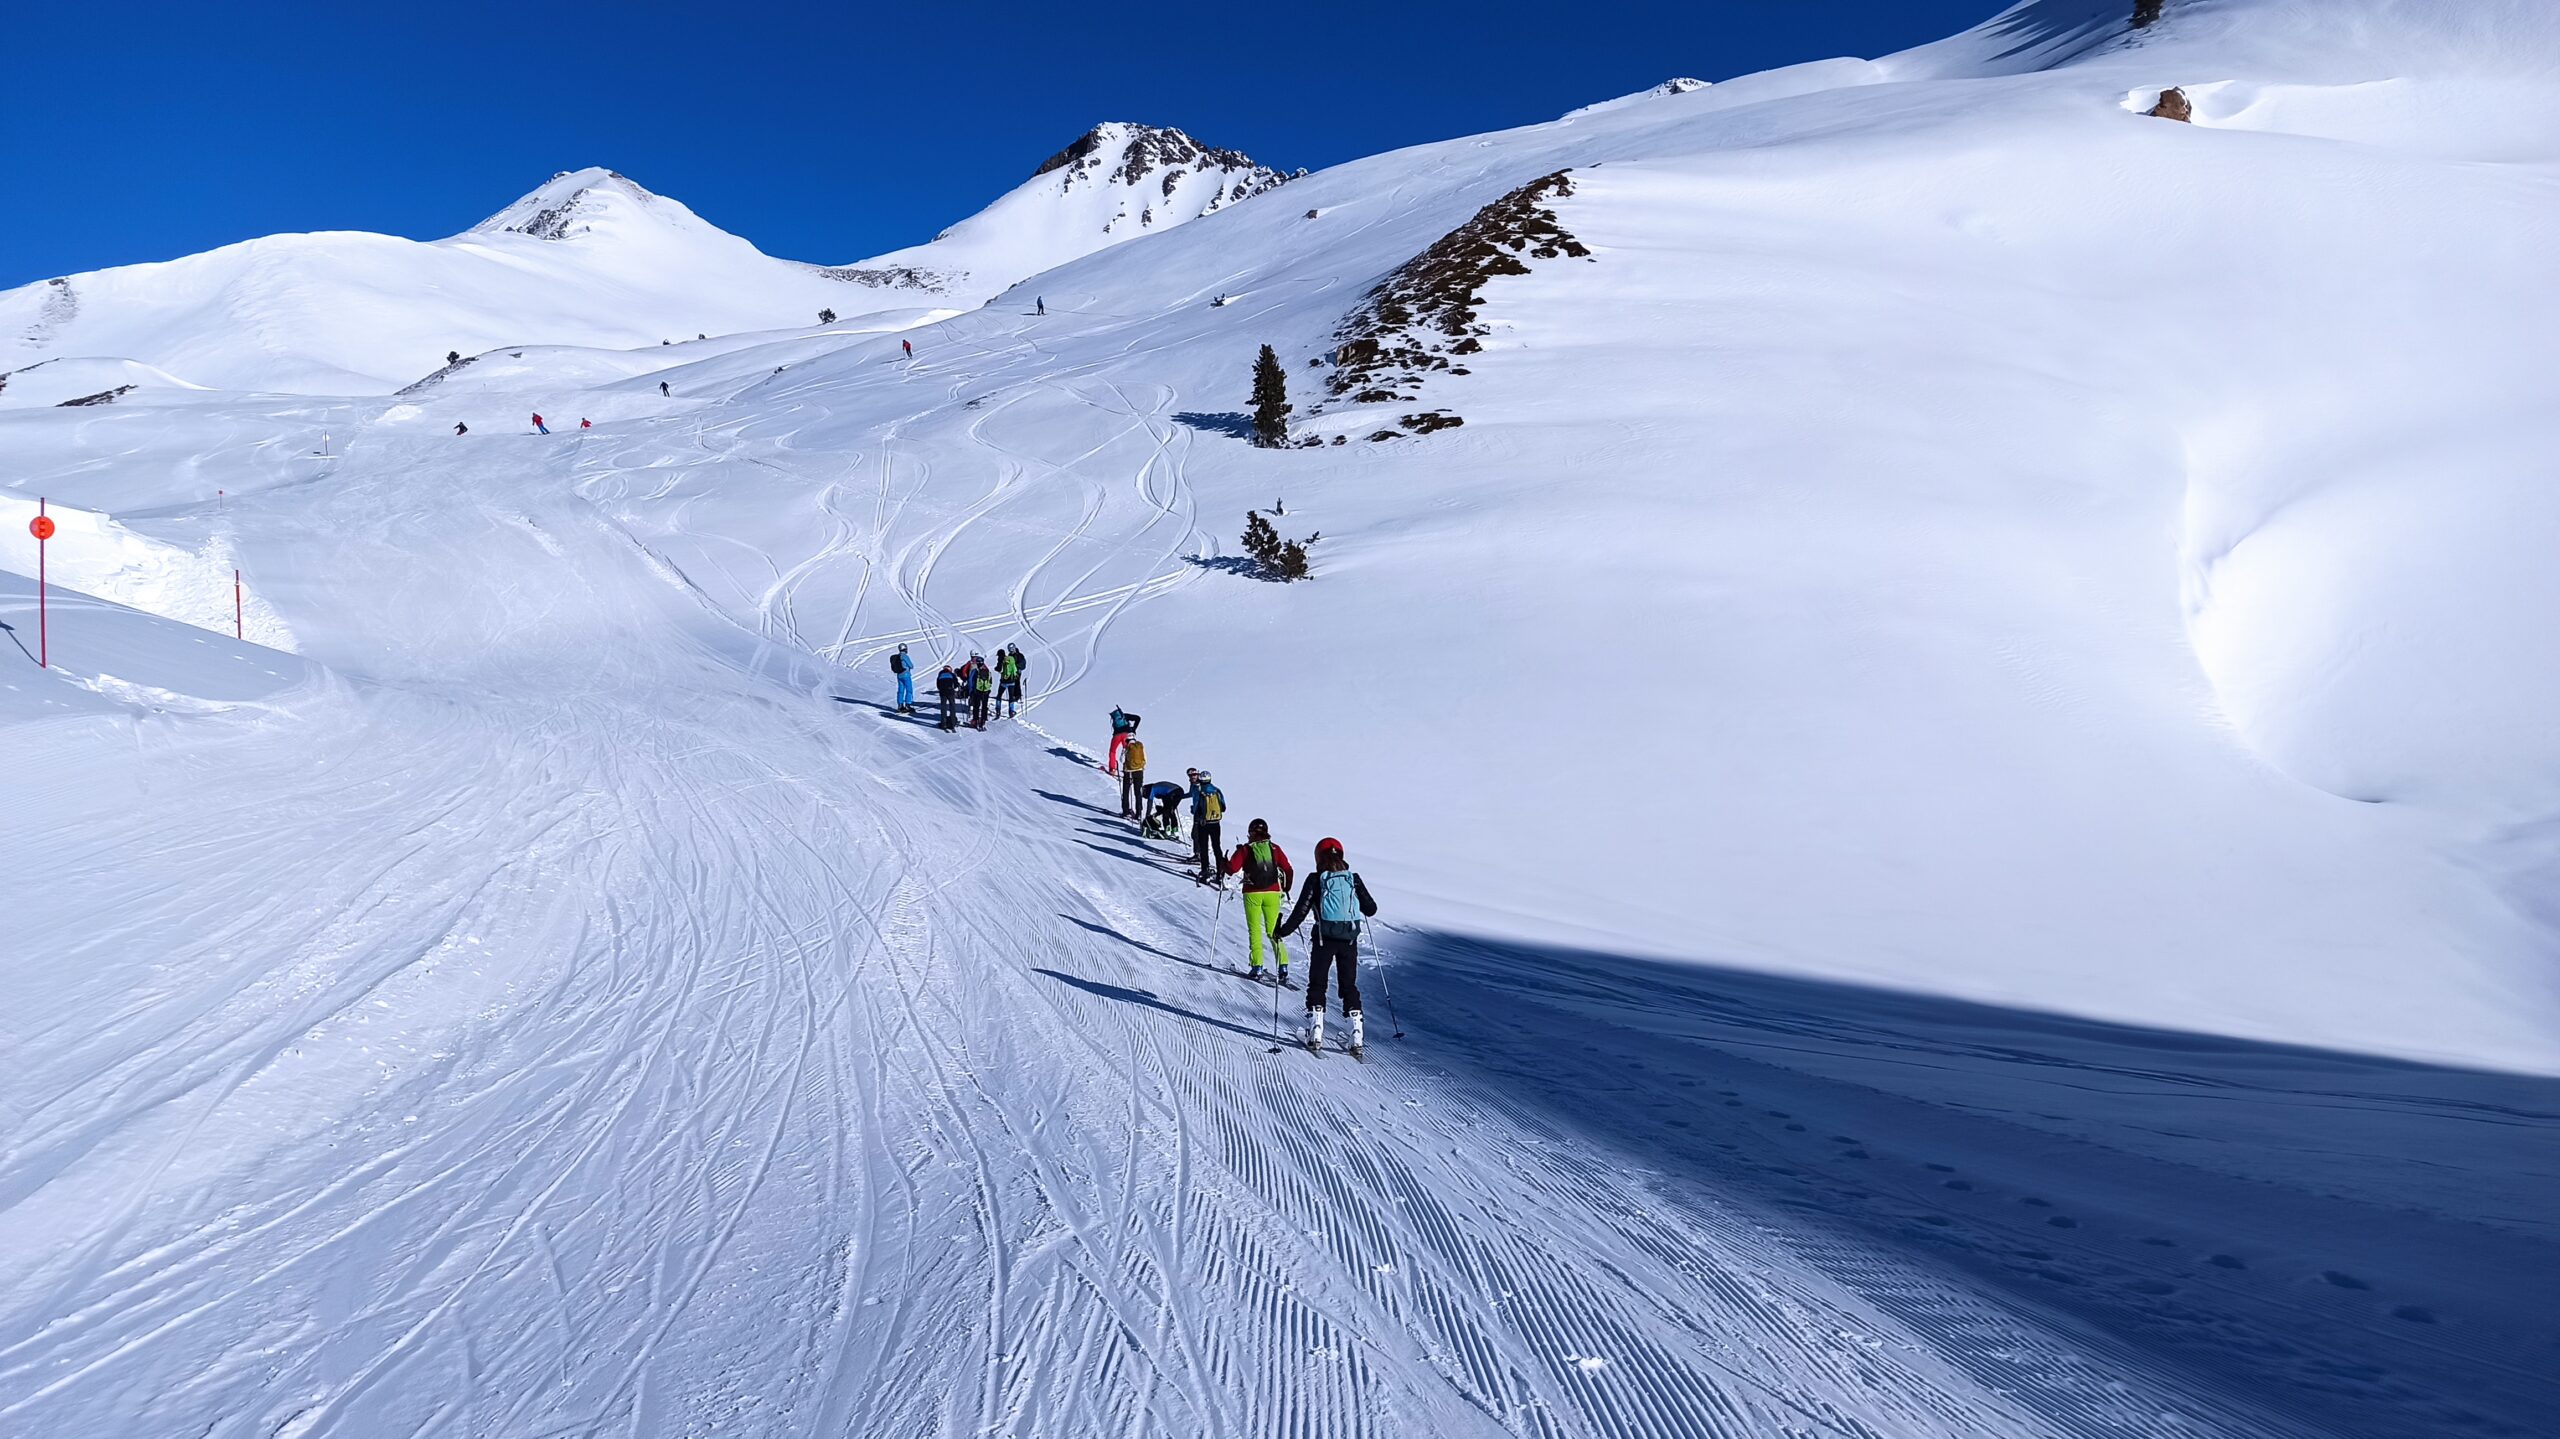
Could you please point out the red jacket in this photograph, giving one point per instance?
(1279, 865)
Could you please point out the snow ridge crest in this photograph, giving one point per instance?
(570, 203)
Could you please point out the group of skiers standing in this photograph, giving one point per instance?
(1334, 896)
(976, 683)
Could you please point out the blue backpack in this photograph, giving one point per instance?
(1338, 904)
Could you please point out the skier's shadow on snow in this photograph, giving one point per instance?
(1107, 932)
(1115, 835)
(1062, 752)
(919, 720)
(1146, 999)
(1152, 859)
(1056, 798)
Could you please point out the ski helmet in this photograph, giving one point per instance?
(1258, 830)
(1328, 847)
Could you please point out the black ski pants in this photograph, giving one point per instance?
(1206, 849)
(1342, 957)
(978, 708)
(1133, 793)
(950, 718)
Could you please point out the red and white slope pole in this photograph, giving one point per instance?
(237, 631)
(42, 528)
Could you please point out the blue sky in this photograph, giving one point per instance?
(143, 131)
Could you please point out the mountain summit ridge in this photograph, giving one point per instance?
(589, 257)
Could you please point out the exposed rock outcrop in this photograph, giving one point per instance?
(1424, 313)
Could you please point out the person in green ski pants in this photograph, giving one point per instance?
(1266, 872)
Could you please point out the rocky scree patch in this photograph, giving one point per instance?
(1426, 313)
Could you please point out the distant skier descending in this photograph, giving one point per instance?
(905, 669)
(947, 685)
(1265, 869)
(909, 346)
(539, 427)
(663, 391)
(460, 428)
(1339, 901)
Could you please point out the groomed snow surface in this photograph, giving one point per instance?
(1957, 754)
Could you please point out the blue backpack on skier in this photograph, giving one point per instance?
(1338, 904)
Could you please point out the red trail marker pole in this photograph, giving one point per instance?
(237, 632)
(42, 528)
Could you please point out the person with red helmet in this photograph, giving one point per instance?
(1339, 902)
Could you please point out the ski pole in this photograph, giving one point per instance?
(1271, 941)
(1386, 989)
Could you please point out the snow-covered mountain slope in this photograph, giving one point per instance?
(588, 259)
(1960, 624)
(1117, 182)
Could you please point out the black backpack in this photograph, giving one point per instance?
(1262, 869)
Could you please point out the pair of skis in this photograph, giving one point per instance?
(1314, 1048)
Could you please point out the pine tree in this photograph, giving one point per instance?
(1276, 558)
(826, 317)
(1261, 541)
(1270, 401)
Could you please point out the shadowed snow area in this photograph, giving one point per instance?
(1957, 755)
